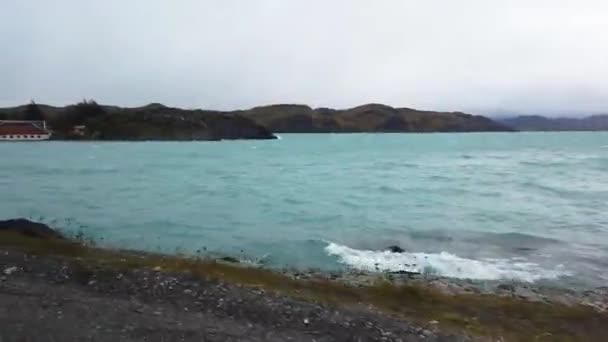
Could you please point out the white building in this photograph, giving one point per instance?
(12, 130)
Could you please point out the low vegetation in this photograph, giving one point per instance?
(499, 318)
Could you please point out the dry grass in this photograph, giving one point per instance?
(482, 315)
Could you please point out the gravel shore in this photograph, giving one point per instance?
(44, 298)
(596, 298)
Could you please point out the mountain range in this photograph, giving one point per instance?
(542, 123)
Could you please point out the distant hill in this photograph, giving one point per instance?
(541, 123)
(366, 118)
(151, 122)
(158, 122)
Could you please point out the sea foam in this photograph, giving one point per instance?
(443, 264)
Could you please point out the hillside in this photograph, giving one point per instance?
(158, 122)
(366, 118)
(151, 122)
(541, 123)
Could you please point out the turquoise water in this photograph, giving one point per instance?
(528, 206)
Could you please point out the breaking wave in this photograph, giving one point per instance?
(443, 264)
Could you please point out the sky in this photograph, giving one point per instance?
(478, 56)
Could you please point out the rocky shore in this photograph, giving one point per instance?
(596, 298)
(51, 299)
(61, 290)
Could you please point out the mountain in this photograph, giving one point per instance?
(158, 122)
(541, 123)
(366, 118)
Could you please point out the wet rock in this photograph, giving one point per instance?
(506, 287)
(395, 249)
(30, 229)
(230, 260)
(408, 273)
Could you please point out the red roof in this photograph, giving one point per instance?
(19, 128)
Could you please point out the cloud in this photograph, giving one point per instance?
(471, 55)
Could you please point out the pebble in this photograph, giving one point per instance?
(10, 270)
(187, 291)
(157, 269)
(92, 282)
(306, 321)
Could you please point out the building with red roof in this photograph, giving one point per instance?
(11, 130)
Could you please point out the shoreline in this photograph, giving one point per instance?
(436, 310)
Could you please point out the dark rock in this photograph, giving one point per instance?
(395, 249)
(29, 228)
(409, 273)
(506, 287)
(230, 259)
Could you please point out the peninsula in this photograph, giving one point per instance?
(88, 120)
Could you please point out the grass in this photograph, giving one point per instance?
(498, 318)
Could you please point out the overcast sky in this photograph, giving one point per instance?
(481, 56)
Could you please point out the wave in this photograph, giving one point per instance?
(443, 264)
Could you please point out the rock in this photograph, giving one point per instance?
(230, 260)
(10, 270)
(306, 321)
(395, 249)
(506, 287)
(433, 322)
(409, 273)
(157, 269)
(30, 228)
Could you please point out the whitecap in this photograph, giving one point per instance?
(443, 264)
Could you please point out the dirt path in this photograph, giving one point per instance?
(45, 299)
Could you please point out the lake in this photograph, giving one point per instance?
(486, 206)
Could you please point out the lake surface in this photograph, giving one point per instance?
(526, 206)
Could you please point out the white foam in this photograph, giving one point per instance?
(443, 264)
